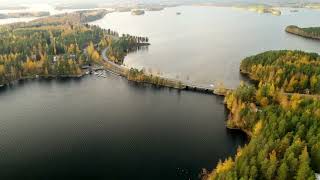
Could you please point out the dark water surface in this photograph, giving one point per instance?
(109, 129)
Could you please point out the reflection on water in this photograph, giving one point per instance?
(109, 129)
(138, 49)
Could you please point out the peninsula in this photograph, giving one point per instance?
(57, 46)
(64, 46)
(310, 32)
(283, 124)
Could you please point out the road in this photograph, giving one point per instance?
(113, 67)
(123, 71)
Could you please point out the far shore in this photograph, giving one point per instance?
(24, 14)
(43, 77)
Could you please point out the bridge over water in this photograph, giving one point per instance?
(186, 85)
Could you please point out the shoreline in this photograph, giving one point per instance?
(248, 133)
(43, 77)
(139, 76)
(295, 30)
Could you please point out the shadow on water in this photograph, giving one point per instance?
(146, 86)
(237, 135)
(139, 49)
(247, 80)
(3, 89)
(14, 86)
(301, 38)
(67, 80)
(20, 84)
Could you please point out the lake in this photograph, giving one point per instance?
(109, 128)
(206, 44)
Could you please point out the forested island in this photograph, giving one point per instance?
(313, 5)
(310, 32)
(137, 12)
(260, 9)
(57, 46)
(284, 128)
